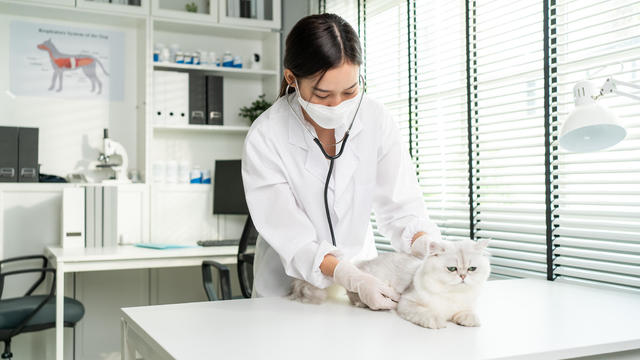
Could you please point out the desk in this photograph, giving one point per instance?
(123, 258)
(522, 319)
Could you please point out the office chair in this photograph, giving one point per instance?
(32, 312)
(246, 254)
(207, 280)
(244, 263)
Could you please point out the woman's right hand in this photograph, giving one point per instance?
(372, 291)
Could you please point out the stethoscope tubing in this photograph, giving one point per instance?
(331, 158)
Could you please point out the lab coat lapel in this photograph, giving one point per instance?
(345, 168)
(315, 163)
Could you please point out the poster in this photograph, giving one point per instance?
(66, 62)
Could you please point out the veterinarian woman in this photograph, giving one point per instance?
(284, 172)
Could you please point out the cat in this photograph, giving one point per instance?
(441, 286)
(446, 285)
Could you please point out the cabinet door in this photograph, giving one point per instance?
(205, 11)
(137, 7)
(255, 13)
(70, 3)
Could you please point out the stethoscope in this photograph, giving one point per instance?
(331, 158)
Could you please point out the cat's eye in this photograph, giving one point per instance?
(452, 268)
(473, 268)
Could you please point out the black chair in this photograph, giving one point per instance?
(246, 254)
(246, 249)
(32, 312)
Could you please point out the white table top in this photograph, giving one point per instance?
(130, 252)
(522, 319)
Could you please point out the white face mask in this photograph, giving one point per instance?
(329, 117)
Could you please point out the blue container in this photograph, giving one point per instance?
(206, 177)
(196, 176)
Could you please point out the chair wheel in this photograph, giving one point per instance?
(7, 355)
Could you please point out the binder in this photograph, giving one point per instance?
(72, 217)
(97, 206)
(110, 216)
(197, 98)
(214, 100)
(8, 154)
(89, 217)
(28, 154)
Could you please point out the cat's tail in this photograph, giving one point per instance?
(101, 66)
(306, 293)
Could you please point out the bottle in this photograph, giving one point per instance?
(196, 175)
(227, 59)
(237, 62)
(206, 176)
(179, 57)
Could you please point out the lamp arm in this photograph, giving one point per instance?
(611, 87)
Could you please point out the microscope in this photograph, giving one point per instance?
(111, 148)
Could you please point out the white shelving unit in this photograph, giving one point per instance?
(201, 145)
(167, 22)
(124, 6)
(225, 71)
(202, 128)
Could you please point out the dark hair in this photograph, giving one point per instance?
(317, 43)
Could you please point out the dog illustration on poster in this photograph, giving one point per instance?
(65, 62)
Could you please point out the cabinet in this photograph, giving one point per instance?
(256, 13)
(139, 7)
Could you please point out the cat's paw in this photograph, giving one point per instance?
(431, 322)
(466, 318)
(354, 299)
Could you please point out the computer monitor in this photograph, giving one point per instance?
(228, 191)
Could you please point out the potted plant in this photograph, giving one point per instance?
(257, 107)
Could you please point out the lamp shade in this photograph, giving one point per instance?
(590, 126)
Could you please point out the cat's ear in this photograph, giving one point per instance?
(436, 248)
(481, 246)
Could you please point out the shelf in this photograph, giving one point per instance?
(200, 27)
(168, 187)
(71, 14)
(202, 128)
(218, 69)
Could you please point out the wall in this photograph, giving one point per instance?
(292, 11)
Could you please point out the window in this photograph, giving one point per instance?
(596, 217)
(508, 147)
(480, 89)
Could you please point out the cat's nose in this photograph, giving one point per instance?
(462, 276)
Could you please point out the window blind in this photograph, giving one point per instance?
(549, 213)
(383, 32)
(347, 9)
(596, 197)
(387, 69)
(440, 142)
(508, 148)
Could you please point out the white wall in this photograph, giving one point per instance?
(70, 135)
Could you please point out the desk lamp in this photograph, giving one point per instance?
(591, 126)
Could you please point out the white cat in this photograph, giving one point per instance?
(446, 285)
(443, 286)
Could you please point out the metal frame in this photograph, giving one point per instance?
(550, 127)
(468, 19)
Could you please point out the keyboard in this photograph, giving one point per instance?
(233, 242)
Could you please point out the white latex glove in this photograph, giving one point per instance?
(420, 246)
(372, 291)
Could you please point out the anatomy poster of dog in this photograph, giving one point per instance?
(66, 62)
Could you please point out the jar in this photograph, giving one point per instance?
(179, 57)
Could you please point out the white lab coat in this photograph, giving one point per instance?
(284, 171)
